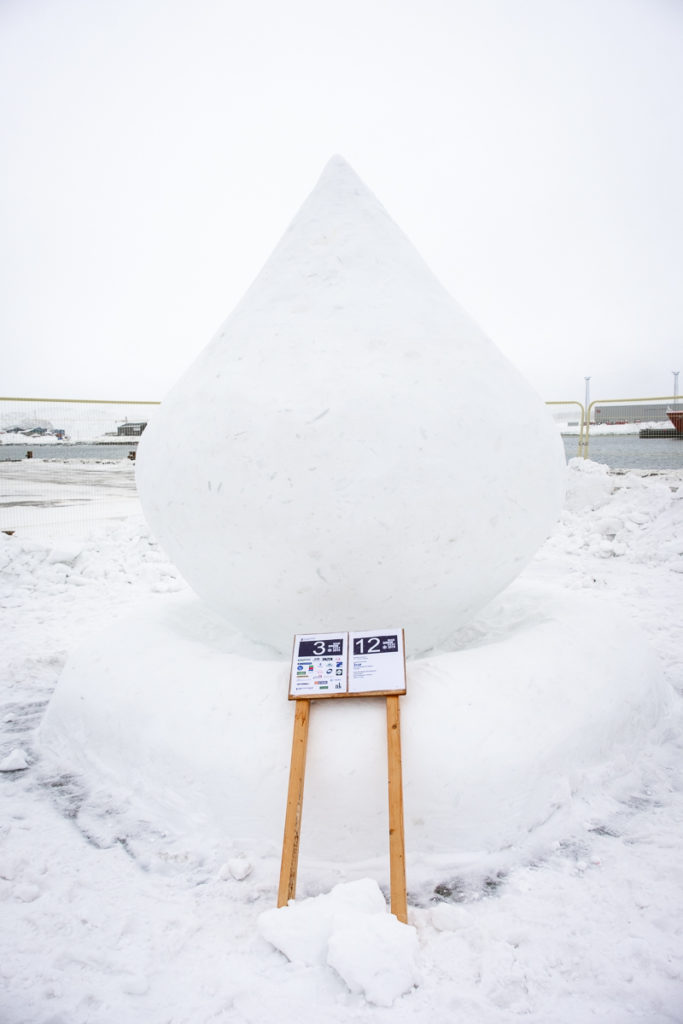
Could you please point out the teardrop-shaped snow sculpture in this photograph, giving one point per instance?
(350, 451)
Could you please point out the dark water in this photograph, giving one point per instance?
(619, 451)
(92, 452)
(628, 451)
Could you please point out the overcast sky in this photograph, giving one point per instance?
(155, 151)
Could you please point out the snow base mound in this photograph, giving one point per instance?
(196, 724)
(350, 930)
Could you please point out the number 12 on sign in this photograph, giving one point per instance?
(375, 644)
(377, 662)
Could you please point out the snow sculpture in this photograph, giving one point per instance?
(350, 450)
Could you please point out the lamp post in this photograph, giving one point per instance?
(583, 430)
(675, 373)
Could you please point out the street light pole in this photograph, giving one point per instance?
(675, 373)
(583, 431)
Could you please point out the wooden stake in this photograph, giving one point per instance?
(397, 860)
(295, 800)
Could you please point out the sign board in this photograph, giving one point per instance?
(319, 665)
(362, 663)
(377, 662)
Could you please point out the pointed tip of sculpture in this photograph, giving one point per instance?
(341, 195)
(338, 170)
(340, 206)
(337, 161)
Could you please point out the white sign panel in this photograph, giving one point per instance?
(342, 664)
(377, 662)
(319, 665)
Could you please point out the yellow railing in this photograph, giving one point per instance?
(81, 401)
(582, 423)
(620, 401)
(587, 417)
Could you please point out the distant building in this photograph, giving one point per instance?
(630, 413)
(57, 432)
(130, 429)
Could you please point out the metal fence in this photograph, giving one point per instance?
(66, 464)
(69, 463)
(61, 422)
(627, 421)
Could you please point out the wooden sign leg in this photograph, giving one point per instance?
(295, 800)
(397, 859)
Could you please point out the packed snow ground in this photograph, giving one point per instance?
(59, 498)
(109, 918)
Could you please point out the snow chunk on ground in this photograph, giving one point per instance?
(15, 761)
(350, 930)
(376, 956)
(302, 930)
(239, 868)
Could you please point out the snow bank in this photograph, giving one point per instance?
(635, 514)
(7, 437)
(371, 458)
(604, 429)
